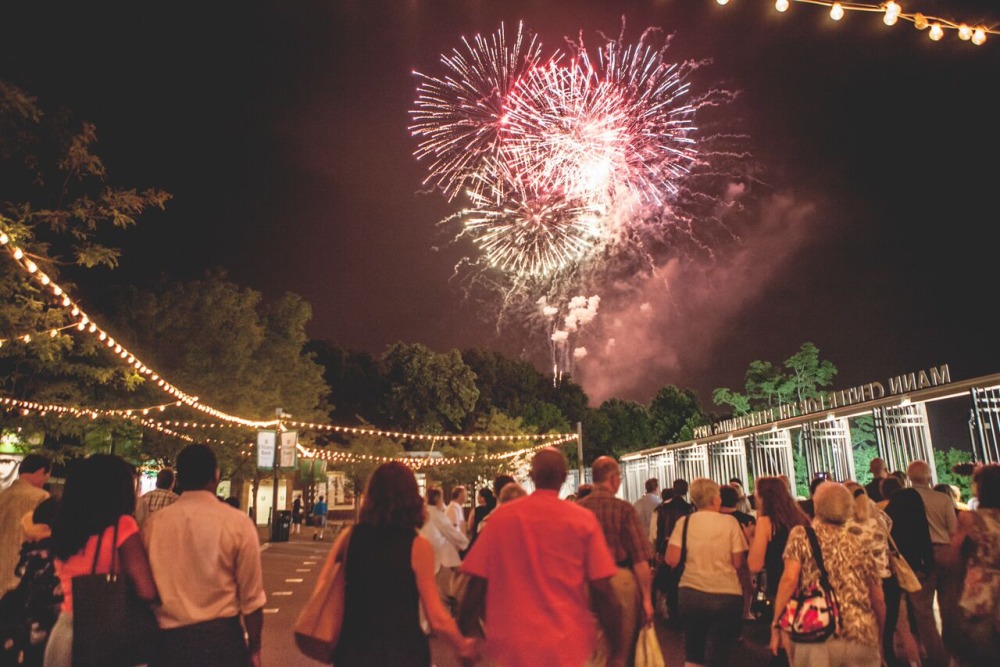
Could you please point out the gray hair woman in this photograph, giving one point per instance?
(710, 594)
(854, 576)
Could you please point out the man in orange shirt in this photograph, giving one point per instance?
(531, 566)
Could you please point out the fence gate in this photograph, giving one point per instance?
(728, 459)
(985, 424)
(827, 447)
(904, 436)
(692, 462)
(771, 456)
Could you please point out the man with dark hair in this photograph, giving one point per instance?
(20, 499)
(530, 571)
(158, 498)
(807, 505)
(205, 558)
(661, 526)
(629, 547)
(730, 497)
(644, 506)
(879, 471)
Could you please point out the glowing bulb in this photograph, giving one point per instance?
(890, 18)
(919, 21)
(32, 267)
(56, 289)
(45, 279)
(936, 32)
(781, 5)
(18, 253)
(837, 11)
(978, 37)
(722, 2)
(4, 238)
(27, 338)
(964, 32)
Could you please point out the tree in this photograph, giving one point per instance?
(225, 344)
(428, 392)
(670, 411)
(808, 373)
(630, 426)
(57, 205)
(357, 387)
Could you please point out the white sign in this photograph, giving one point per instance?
(266, 441)
(289, 442)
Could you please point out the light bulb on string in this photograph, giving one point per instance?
(837, 11)
(936, 33)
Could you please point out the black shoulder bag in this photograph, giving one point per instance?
(112, 626)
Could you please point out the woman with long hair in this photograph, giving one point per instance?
(99, 496)
(485, 502)
(389, 576)
(777, 514)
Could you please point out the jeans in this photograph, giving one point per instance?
(712, 623)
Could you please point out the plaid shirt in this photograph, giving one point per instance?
(154, 500)
(620, 521)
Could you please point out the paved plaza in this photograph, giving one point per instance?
(290, 571)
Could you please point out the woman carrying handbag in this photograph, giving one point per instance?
(94, 533)
(389, 577)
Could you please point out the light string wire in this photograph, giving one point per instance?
(892, 12)
(28, 337)
(417, 462)
(86, 323)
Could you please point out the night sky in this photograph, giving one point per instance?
(281, 129)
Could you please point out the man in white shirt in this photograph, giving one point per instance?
(447, 541)
(205, 558)
(942, 522)
(158, 498)
(646, 505)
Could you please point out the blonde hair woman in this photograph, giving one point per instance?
(713, 549)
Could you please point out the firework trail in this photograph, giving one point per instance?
(578, 168)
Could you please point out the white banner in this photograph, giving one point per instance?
(266, 441)
(289, 450)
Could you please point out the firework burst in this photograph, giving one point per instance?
(551, 151)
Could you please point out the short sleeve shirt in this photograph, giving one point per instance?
(852, 569)
(82, 562)
(712, 540)
(538, 555)
(625, 537)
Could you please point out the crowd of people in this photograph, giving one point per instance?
(193, 561)
(525, 579)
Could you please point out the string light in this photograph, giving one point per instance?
(27, 338)
(420, 462)
(892, 12)
(86, 323)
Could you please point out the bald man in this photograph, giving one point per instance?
(530, 568)
(629, 545)
(942, 524)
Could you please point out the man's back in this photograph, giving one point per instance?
(15, 501)
(205, 558)
(538, 554)
(645, 507)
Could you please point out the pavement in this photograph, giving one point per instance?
(290, 571)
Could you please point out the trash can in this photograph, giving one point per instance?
(281, 525)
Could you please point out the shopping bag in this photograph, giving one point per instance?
(647, 649)
(317, 629)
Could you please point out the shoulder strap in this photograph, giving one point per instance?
(817, 553)
(684, 538)
(114, 549)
